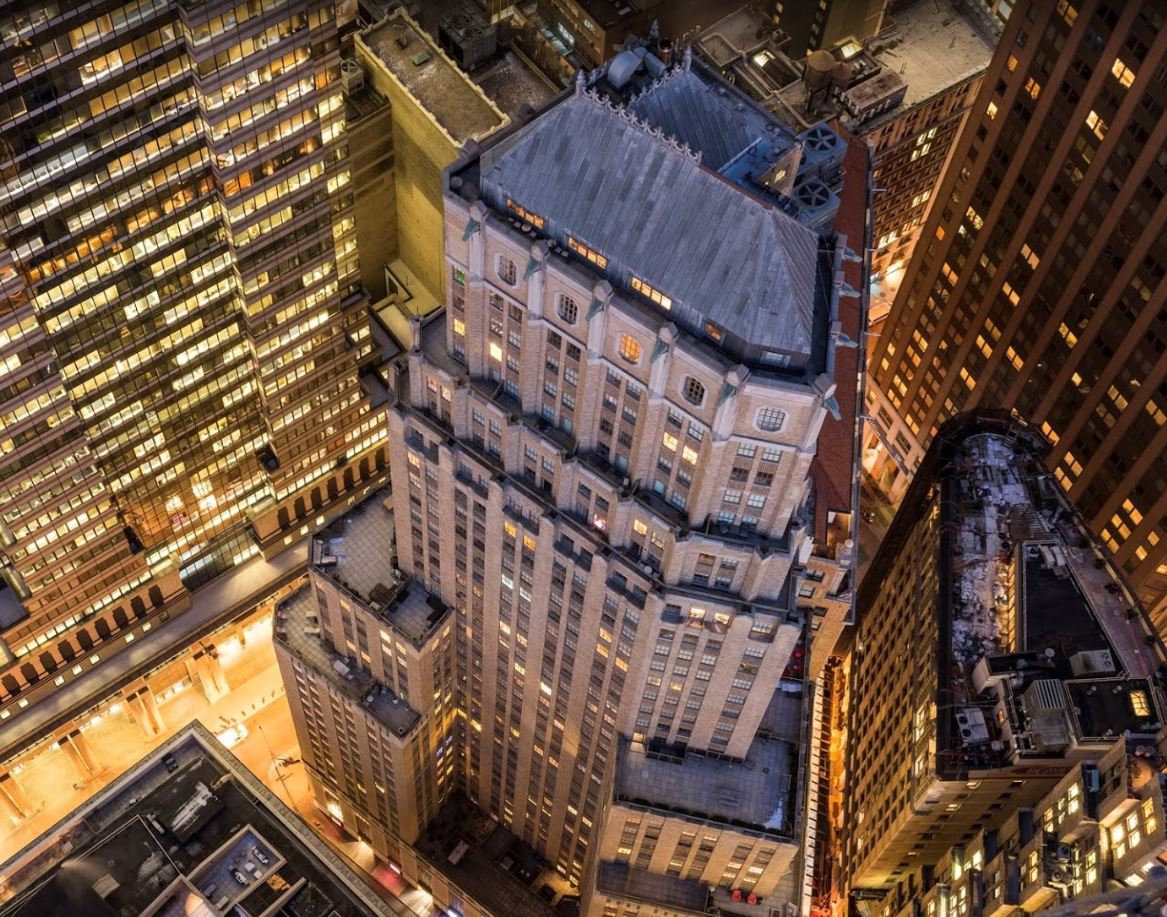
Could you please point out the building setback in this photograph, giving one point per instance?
(997, 661)
(1038, 283)
(577, 614)
(182, 317)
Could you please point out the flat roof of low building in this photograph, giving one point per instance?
(757, 792)
(932, 45)
(458, 106)
(484, 859)
(652, 887)
(159, 842)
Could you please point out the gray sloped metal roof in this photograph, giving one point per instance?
(700, 114)
(640, 198)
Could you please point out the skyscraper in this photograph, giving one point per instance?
(1037, 284)
(182, 319)
(996, 661)
(578, 615)
(828, 22)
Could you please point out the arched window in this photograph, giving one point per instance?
(693, 390)
(770, 419)
(568, 310)
(630, 348)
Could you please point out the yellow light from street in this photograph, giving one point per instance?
(229, 648)
(232, 735)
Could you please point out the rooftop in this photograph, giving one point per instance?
(510, 84)
(484, 859)
(1032, 615)
(926, 47)
(932, 45)
(757, 793)
(169, 843)
(412, 56)
(654, 888)
(657, 157)
(297, 627)
(357, 551)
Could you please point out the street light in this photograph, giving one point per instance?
(275, 765)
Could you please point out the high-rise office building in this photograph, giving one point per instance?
(576, 620)
(183, 317)
(997, 659)
(1038, 281)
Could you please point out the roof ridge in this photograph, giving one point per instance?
(667, 142)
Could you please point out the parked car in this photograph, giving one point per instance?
(260, 855)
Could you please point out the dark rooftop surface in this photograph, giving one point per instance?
(1057, 615)
(641, 885)
(510, 84)
(757, 792)
(496, 868)
(1108, 707)
(119, 854)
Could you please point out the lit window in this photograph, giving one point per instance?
(533, 218)
(459, 326)
(694, 391)
(496, 353)
(652, 293)
(770, 419)
(629, 348)
(1124, 74)
(669, 441)
(1096, 124)
(1139, 704)
(586, 253)
(991, 111)
(568, 310)
(1033, 87)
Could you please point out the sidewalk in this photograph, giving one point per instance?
(50, 705)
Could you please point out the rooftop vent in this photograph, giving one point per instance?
(352, 77)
